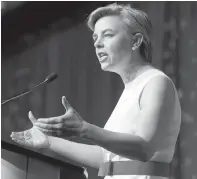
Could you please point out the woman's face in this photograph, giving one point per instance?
(112, 43)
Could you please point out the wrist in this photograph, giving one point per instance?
(48, 146)
(86, 128)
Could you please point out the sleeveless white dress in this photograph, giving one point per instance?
(124, 119)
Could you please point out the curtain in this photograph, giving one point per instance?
(91, 91)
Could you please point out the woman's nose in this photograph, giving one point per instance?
(98, 43)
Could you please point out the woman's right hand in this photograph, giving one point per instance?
(32, 138)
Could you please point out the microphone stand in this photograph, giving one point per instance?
(24, 93)
(48, 79)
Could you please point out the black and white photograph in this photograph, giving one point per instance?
(99, 89)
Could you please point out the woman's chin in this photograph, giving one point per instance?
(108, 67)
(105, 67)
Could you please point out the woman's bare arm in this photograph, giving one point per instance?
(82, 154)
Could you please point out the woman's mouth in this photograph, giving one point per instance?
(102, 56)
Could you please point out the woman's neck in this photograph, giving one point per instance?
(131, 71)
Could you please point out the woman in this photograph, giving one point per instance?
(146, 120)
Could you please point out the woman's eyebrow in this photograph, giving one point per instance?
(108, 30)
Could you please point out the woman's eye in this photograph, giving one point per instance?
(108, 35)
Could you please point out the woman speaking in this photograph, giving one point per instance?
(138, 140)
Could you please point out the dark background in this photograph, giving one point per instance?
(43, 37)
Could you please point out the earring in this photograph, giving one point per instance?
(133, 48)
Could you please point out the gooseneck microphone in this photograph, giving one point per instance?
(48, 79)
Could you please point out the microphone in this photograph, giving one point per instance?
(48, 79)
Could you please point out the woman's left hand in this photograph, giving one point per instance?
(68, 125)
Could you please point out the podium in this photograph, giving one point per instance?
(21, 163)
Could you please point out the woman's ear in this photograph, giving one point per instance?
(137, 40)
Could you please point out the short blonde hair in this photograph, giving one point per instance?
(135, 21)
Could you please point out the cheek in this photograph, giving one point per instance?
(120, 47)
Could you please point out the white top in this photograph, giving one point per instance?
(124, 119)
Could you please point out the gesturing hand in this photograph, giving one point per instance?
(33, 137)
(66, 125)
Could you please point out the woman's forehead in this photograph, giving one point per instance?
(116, 23)
(108, 22)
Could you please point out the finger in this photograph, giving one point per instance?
(51, 120)
(49, 126)
(66, 104)
(45, 131)
(49, 132)
(23, 142)
(55, 123)
(67, 132)
(17, 134)
(31, 117)
(21, 135)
